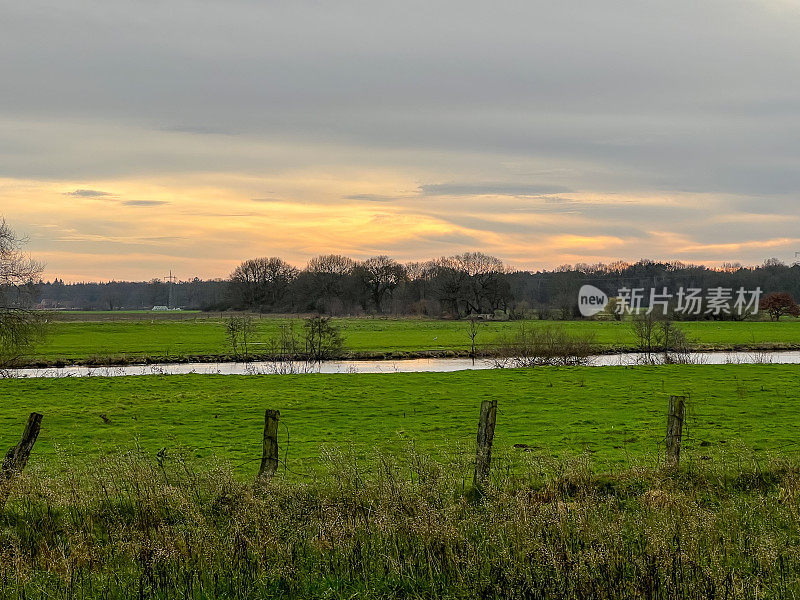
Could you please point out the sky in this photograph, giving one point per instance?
(139, 137)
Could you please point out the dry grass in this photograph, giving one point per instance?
(131, 526)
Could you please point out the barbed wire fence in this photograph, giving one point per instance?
(459, 452)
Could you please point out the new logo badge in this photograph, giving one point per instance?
(591, 300)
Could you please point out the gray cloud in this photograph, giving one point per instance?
(374, 198)
(88, 194)
(766, 205)
(145, 202)
(489, 189)
(432, 244)
(636, 98)
(705, 232)
(517, 99)
(549, 204)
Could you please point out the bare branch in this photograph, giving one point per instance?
(20, 327)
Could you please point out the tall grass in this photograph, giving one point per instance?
(132, 526)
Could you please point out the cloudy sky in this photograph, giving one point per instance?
(142, 136)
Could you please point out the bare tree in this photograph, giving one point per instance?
(323, 339)
(319, 339)
(328, 277)
(262, 282)
(450, 282)
(659, 340)
(472, 333)
(239, 330)
(335, 265)
(484, 289)
(644, 328)
(544, 346)
(381, 275)
(471, 283)
(20, 326)
(285, 344)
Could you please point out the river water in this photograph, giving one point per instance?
(418, 365)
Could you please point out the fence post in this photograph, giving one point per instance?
(674, 429)
(483, 455)
(269, 458)
(17, 457)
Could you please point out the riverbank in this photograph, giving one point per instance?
(201, 339)
(123, 360)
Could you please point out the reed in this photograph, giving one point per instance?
(133, 525)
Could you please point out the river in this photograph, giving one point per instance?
(418, 365)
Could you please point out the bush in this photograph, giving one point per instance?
(318, 339)
(545, 346)
(239, 331)
(659, 340)
(322, 339)
(778, 304)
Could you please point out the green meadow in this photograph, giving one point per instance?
(612, 414)
(142, 486)
(136, 337)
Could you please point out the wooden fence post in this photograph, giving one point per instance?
(675, 429)
(269, 458)
(483, 456)
(17, 457)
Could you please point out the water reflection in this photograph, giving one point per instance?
(418, 365)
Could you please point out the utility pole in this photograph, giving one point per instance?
(171, 279)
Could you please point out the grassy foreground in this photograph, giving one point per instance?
(407, 527)
(611, 413)
(374, 498)
(197, 335)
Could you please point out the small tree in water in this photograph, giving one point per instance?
(659, 340)
(472, 332)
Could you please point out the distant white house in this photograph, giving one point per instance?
(48, 304)
(160, 308)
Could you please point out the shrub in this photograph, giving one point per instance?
(659, 340)
(545, 346)
(239, 331)
(318, 339)
(778, 304)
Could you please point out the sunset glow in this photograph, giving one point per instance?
(197, 138)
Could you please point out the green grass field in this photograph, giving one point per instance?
(612, 413)
(133, 336)
(588, 512)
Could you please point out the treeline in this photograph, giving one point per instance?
(132, 295)
(455, 286)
